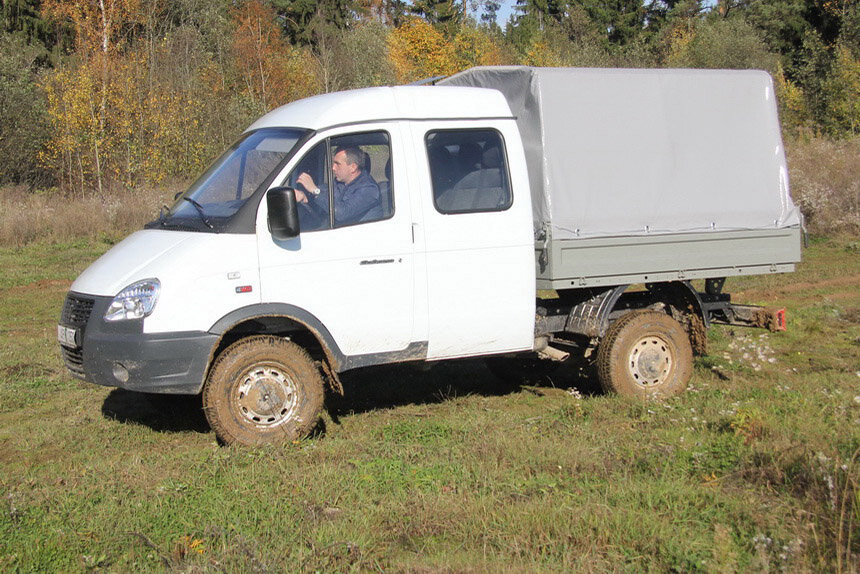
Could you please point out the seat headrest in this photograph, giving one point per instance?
(469, 154)
(492, 157)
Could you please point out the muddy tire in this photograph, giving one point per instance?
(263, 390)
(519, 370)
(646, 355)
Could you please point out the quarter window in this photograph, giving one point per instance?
(468, 171)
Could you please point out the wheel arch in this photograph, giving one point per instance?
(594, 316)
(277, 319)
(682, 296)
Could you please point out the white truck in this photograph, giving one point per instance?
(517, 213)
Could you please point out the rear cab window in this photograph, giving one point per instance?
(468, 171)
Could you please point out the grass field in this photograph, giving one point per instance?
(755, 468)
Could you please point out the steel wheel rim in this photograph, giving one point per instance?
(650, 361)
(267, 396)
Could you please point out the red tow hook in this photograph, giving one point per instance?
(777, 320)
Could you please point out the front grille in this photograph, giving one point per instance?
(74, 360)
(76, 311)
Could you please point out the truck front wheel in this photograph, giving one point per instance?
(263, 390)
(646, 355)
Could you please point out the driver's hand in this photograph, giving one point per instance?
(300, 196)
(307, 182)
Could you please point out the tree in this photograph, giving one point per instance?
(355, 58)
(793, 111)
(78, 138)
(100, 28)
(300, 18)
(23, 17)
(490, 12)
(418, 50)
(729, 43)
(475, 47)
(23, 121)
(843, 90)
(446, 15)
(265, 60)
(620, 20)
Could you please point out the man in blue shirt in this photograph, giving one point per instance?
(356, 194)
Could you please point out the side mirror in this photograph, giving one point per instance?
(283, 213)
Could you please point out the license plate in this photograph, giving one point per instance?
(66, 336)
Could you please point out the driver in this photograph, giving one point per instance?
(356, 194)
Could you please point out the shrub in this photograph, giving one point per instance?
(23, 123)
(722, 43)
(825, 183)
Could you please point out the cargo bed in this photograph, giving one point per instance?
(607, 261)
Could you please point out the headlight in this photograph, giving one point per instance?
(135, 301)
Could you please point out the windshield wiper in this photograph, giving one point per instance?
(199, 209)
(161, 213)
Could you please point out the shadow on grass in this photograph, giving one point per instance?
(164, 413)
(392, 386)
(365, 390)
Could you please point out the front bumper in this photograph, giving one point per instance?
(120, 354)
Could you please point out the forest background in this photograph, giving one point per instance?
(108, 107)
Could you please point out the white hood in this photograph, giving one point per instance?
(128, 261)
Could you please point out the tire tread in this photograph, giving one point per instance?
(612, 373)
(290, 355)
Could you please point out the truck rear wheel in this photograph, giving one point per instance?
(645, 354)
(263, 390)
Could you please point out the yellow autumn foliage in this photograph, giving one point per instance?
(679, 43)
(843, 85)
(73, 111)
(793, 111)
(540, 53)
(272, 71)
(473, 47)
(418, 51)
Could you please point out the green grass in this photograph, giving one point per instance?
(447, 470)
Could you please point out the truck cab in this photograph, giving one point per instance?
(443, 268)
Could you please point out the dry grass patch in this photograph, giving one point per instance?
(26, 217)
(825, 183)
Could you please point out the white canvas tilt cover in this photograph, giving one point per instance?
(642, 151)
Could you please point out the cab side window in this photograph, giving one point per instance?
(468, 171)
(314, 164)
(344, 180)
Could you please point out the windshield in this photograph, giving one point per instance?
(250, 164)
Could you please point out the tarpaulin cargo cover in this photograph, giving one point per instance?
(614, 152)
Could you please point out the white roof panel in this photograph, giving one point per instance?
(385, 103)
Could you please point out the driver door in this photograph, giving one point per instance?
(357, 278)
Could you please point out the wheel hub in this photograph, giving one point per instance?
(650, 361)
(267, 396)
